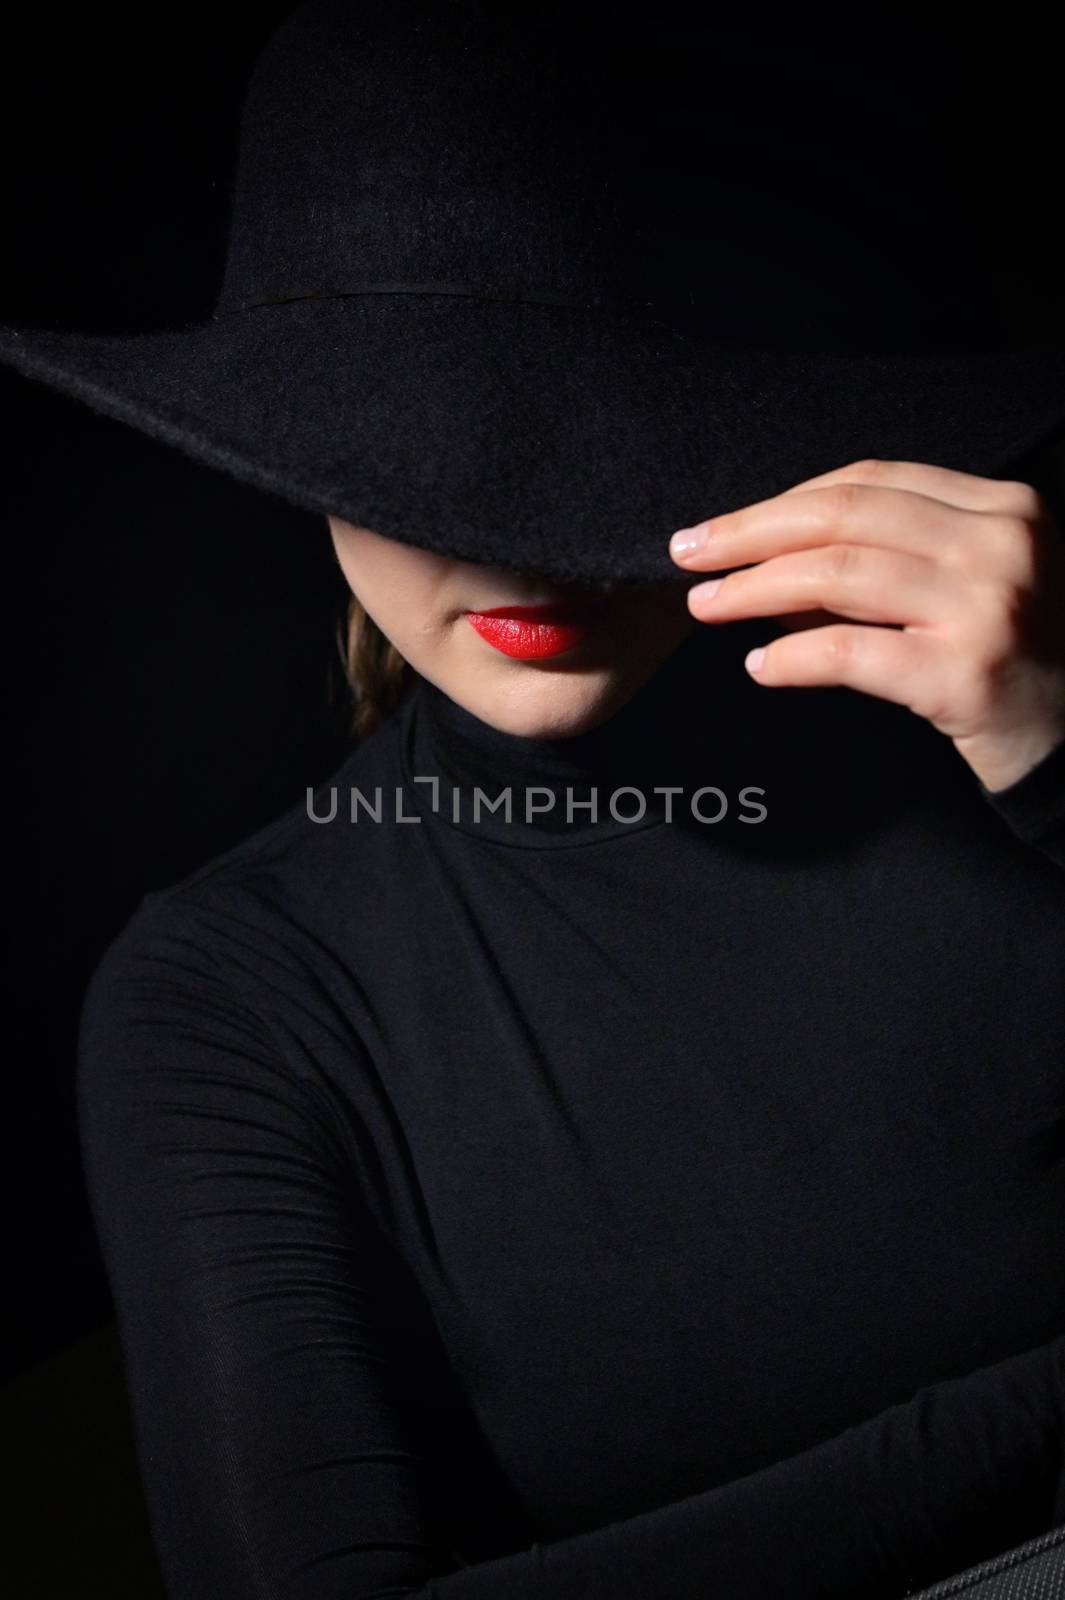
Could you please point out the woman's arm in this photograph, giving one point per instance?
(280, 1454)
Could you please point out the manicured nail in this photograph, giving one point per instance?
(754, 658)
(703, 591)
(685, 540)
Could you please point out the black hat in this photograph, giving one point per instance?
(530, 286)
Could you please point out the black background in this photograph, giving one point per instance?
(174, 670)
(173, 682)
(171, 660)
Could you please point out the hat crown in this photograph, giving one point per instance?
(417, 142)
(461, 144)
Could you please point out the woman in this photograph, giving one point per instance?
(606, 1139)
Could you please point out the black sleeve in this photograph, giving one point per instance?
(277, 1455)
(1034, 806)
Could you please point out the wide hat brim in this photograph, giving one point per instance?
(558, 440)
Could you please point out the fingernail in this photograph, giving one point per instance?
(685, 540)
(754, 658)
(705, 591)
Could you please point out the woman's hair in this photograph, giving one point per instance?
(379, 678)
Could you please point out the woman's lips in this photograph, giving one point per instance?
(532, 632)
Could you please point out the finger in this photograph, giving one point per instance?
(867, 584)
(907, 668)
(1007, 497)
(897, 519)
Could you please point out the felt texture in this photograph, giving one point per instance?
(498, 285)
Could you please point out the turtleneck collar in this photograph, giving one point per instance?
(679, 729)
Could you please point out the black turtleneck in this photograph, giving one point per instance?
(559, 1207)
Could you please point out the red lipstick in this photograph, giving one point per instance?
(530, 633)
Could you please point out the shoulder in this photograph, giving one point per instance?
(178, 1043)
(184, 1084)
(159, 990)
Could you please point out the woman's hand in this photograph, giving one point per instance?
(956, 584)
